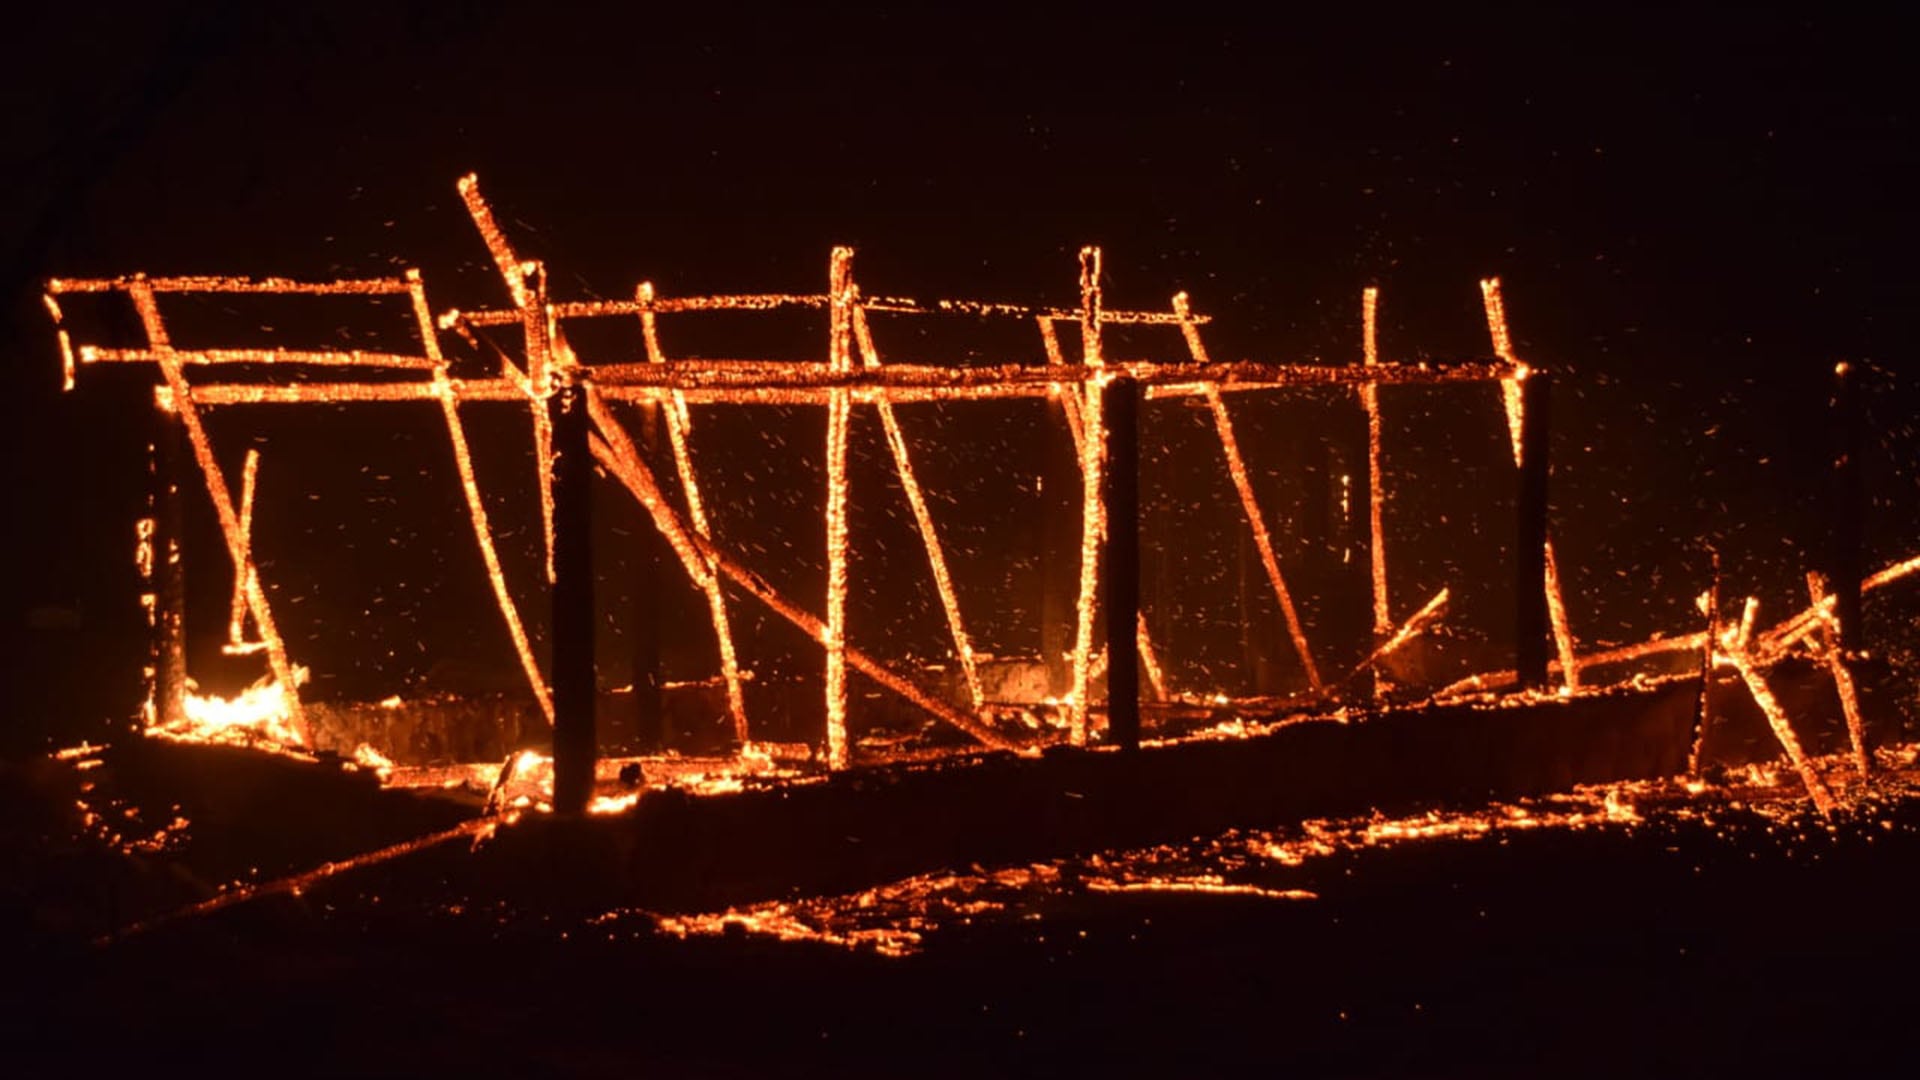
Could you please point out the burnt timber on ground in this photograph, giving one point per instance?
(680, 851)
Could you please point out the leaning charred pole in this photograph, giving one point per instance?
(1533, 640)
(574, 741)
(1120, 406)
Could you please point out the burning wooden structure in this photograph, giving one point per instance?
(574, 401)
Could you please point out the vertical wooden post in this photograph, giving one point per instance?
(1121, 408)
(1849, 511)
(650, 714)
(840, 301)
(1533, 644)
(574, 741)
(1371, 684)
(167, 575)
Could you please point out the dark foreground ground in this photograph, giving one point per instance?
(1734, 941)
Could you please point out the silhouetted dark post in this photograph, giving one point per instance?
(1120, 405)
(1059, 544)
(574, 743)
(167, 573)
(1703, 717)
(1533, 643)
(649, 713)
(1850, 506)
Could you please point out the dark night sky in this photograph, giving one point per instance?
(1695, 214)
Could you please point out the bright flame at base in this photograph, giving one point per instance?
(261, 715)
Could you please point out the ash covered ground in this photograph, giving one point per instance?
(1655, 926)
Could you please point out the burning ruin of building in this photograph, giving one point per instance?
(1100, 681)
